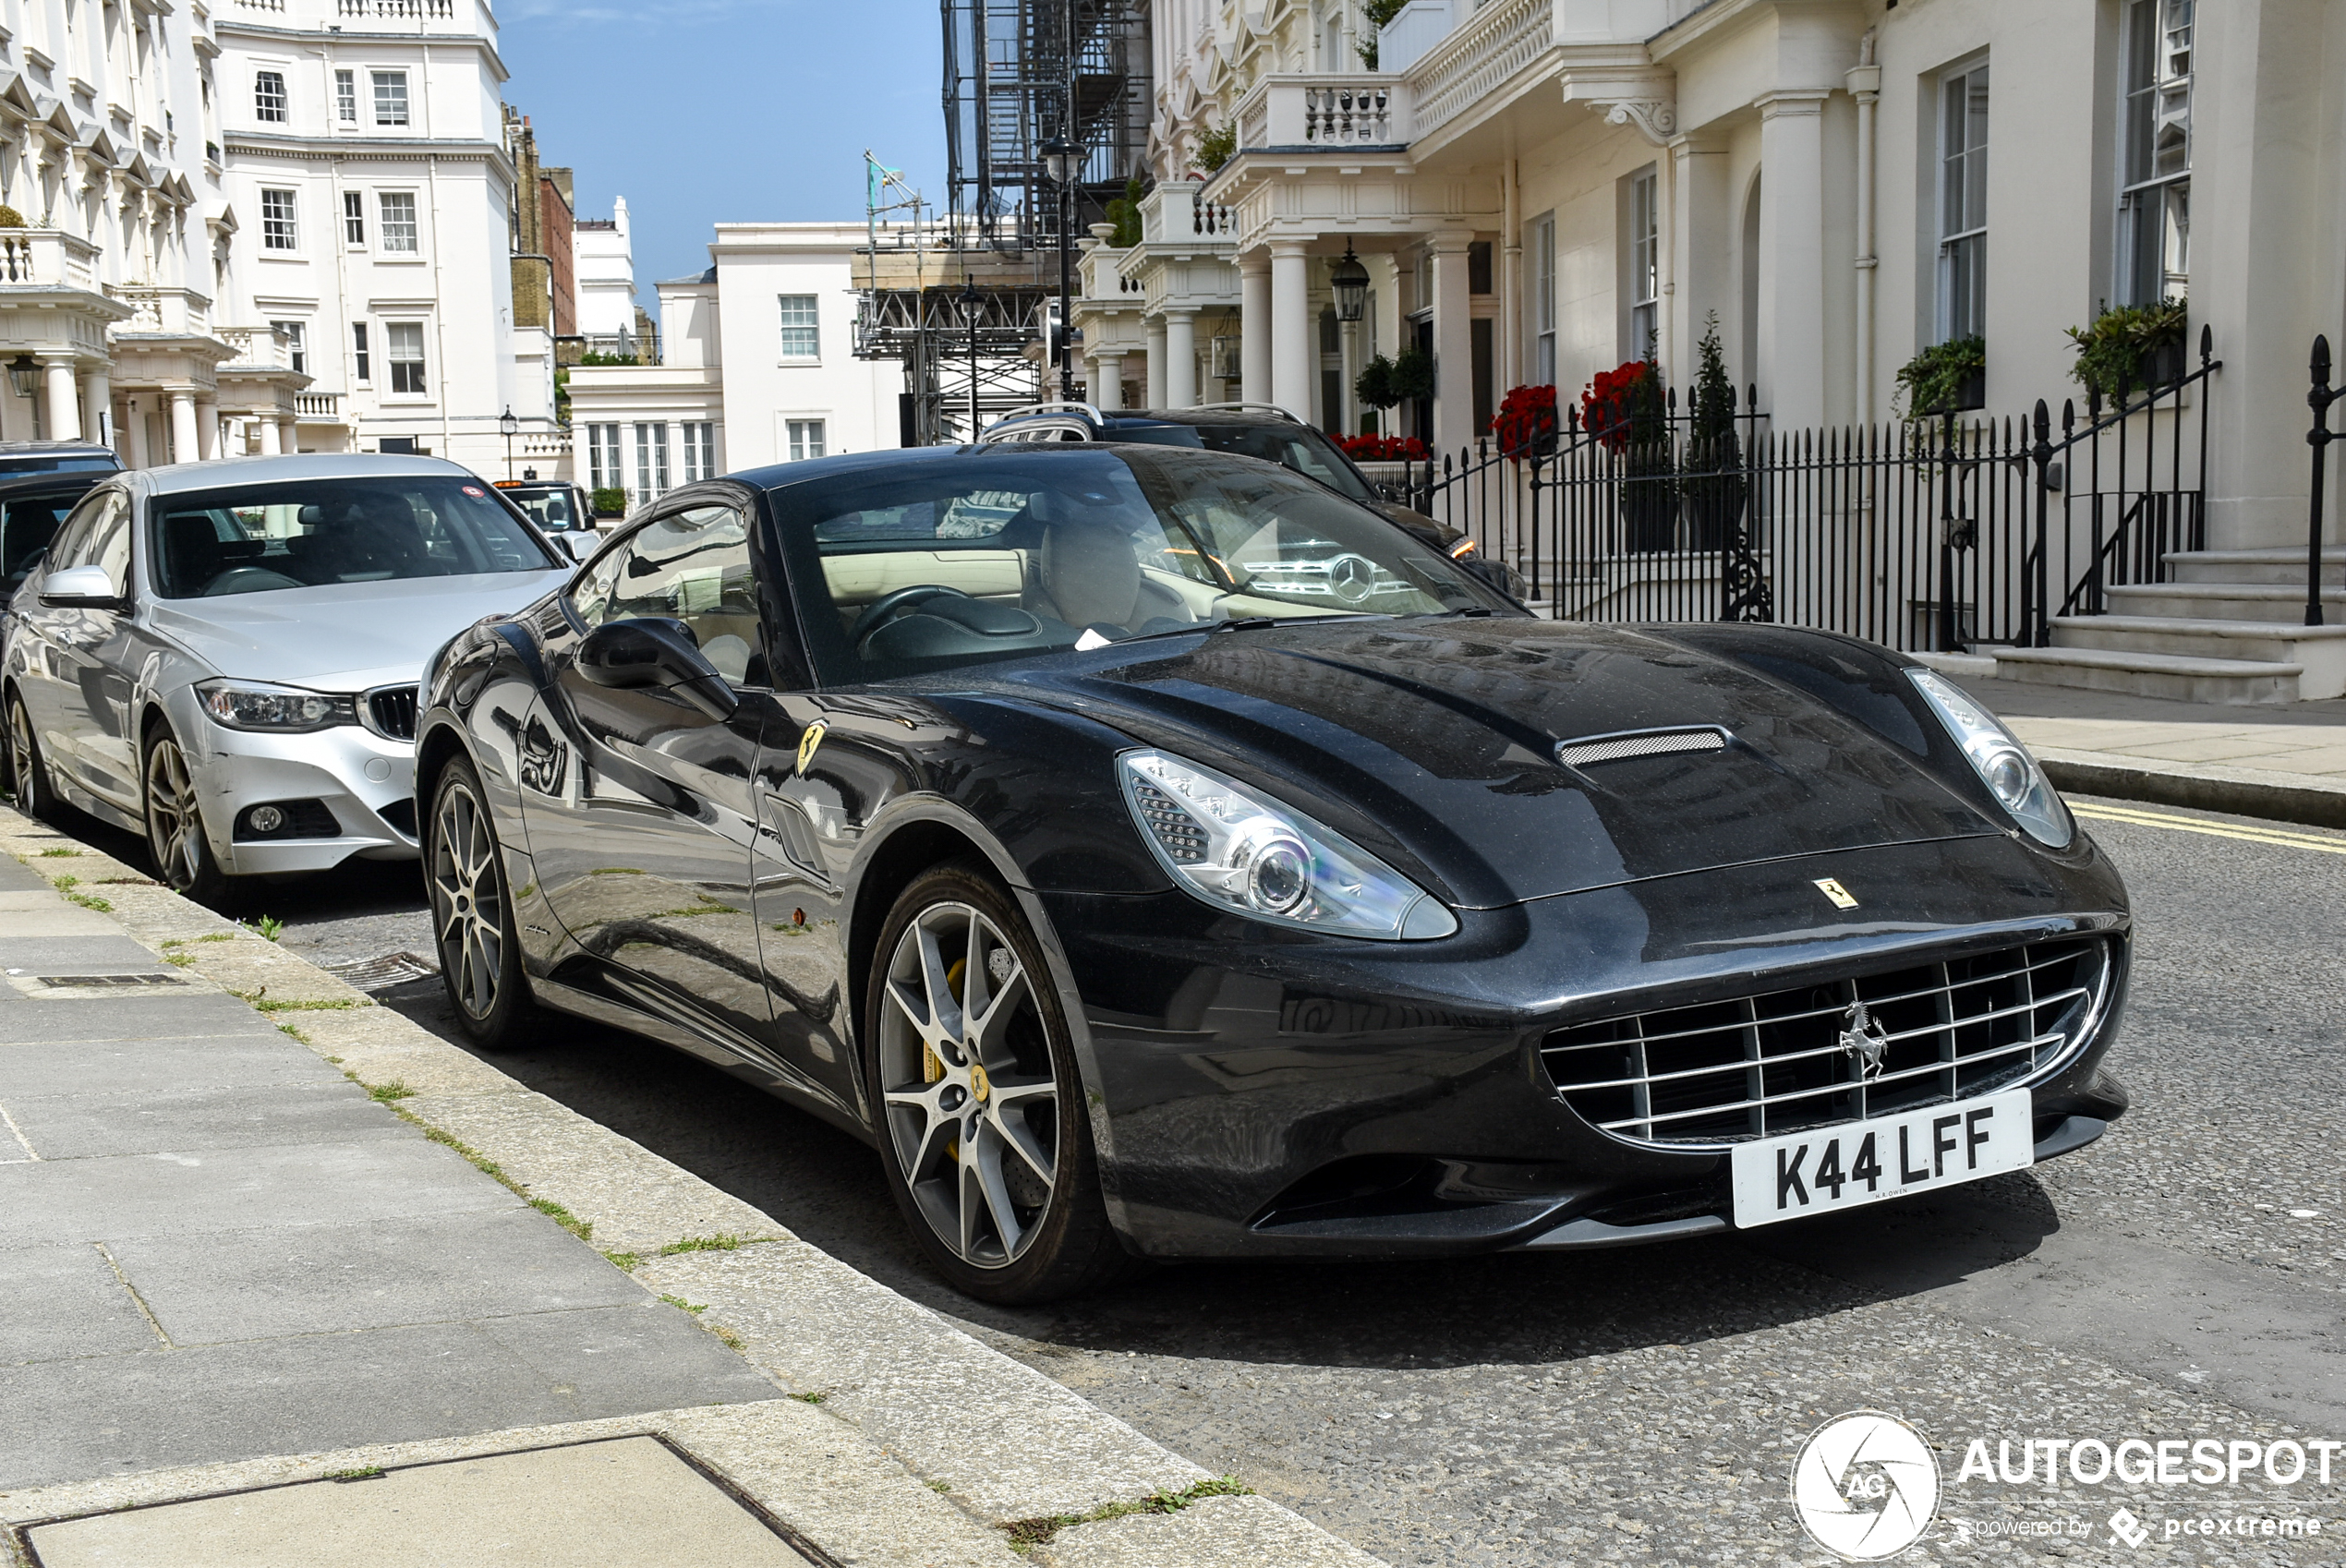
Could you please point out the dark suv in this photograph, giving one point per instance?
(1248, 430)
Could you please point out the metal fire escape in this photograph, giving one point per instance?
(962, 297)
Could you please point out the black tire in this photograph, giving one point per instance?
(28, 773)
(472, 915)
(1010, 1233)
(174, 816)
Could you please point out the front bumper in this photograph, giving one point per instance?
(367, 781)
(1262, 1093)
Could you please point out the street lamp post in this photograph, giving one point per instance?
(1063, 161)
(510, 426)
(1349, 280)
(973, 303)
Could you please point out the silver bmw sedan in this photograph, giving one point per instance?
(224, 655)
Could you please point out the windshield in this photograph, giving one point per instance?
(97, 461)
(1299, 447)
(1011, 551)
(554, 509)
(311, 533)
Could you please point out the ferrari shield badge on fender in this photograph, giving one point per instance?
(813, 738)
(1830, 887)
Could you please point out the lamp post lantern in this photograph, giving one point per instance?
(1349, 282)
(510, 427)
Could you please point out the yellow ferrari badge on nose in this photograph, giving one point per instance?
(810, 742)
(1832, 888)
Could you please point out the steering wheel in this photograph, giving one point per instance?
(885, 609)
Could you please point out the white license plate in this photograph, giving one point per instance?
(1840, 1167)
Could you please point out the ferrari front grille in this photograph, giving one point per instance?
(1841, 1051)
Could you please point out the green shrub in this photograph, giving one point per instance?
(1932, 382)
(1218, 147)
(1125, 213)
(1375, 383)
(2114, 353)
(609, 502)
(1413, 374)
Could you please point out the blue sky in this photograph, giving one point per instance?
(702, 111)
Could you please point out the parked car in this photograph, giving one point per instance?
(1029, 811)
(556, 506)
(224, 655)
(1248, 430)
(33, 507)
(57, 457)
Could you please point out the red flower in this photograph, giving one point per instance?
(1383, 449)
(1526, 417)
(1614, 401)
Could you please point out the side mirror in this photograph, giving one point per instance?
(579, 545)
(82, 587)
(638, 655)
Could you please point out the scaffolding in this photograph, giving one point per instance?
(963, 297)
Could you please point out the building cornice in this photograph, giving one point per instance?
(372, 150)
(307, 37)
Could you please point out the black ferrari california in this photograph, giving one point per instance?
(1157, 855)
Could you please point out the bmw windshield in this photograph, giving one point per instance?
(313, 533)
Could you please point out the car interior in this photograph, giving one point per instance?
(217, 543)
(26, 527)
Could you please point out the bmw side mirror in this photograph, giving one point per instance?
(80, 588)
(580, 546)
(638, 655)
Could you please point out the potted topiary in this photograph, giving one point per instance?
(1216, 146)
(610, 501)
(1623, 408)
(1373, 386)
(1711, 487)
(1946, 378)
(2130, 347)
(1125, 213)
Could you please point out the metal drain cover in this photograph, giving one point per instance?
(94, 982)
(383, 971)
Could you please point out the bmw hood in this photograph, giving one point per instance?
(345, 637)
(1450, 744)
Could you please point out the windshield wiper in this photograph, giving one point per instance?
(1243, 623)
(1454, 614)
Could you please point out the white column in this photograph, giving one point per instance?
(207, 428)
(1703, 230)
(1295, 338)
(1453, 344)
(268, 429)
(1792, 258)
(287, 441)
(1347, 411)
(97, 391)
(183, 427)
(1180, 359)
(1107, 381)
(1154, 329)
(1254, 326)
(136, 421)
(65, 399)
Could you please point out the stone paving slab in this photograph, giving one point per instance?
(249, 1058)
(115, 954)
(150, 1015)
(187, 1121)
(337, 1278)
(63, 1300)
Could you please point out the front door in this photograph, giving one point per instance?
(75, 670)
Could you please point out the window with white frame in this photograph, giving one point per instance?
(347, 96)
(651, 461)
(362, 362)
(1539, 239)
(354, 218)
(700, 449)
(277, 228)
(802, 331)
(404, 346)
(269, 97)
(390, 98)
(1643, 259)
(296, 336)
(805, 439)
(2154, 202)
(398, 213)
(1963, 203)
(604, 470)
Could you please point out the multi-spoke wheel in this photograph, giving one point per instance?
(35, 795)
(472, 918)
(175, 820)
(981, 1122)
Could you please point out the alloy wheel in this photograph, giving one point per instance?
(174, 827)
(467, 901)
(971, 1103)
(20, 753)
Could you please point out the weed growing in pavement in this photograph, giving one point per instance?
(583, 1229)
(1028, 1533)
(53, 855)
(337, 1060)
(269, 927)
(89, 902)
(723, 1242)
(625, 1261)
(726, 1336)
(940, 1486)
(384, 1094)
(681, 1305)
(288, 1028)
(810, 1398)
(268, 1004)
(362, 1473)
(180, 960)
(216, 936)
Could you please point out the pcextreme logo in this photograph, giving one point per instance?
(1866, 1486)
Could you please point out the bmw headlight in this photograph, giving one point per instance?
(1254, 857)
(2003, 763)
(284, 711)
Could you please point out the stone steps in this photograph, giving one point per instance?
(2269, 567)
(2180, 676)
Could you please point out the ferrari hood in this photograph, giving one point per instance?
(1439, 741)
(345, 637)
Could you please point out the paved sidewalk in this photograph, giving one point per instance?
(2286, 760)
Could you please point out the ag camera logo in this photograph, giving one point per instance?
(1866, 1486)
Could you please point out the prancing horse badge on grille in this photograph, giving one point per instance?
(1865, 1040)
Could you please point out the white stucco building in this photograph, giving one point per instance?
(758, 366)
(603, 262)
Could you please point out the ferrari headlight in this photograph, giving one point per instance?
(1251, 856)
(2003, 763)
(284, 711)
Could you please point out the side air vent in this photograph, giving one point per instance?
(1592, 749)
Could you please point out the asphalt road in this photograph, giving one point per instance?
(2179, 1280)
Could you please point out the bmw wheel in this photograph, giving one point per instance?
(984, 1132)
(472, 918)
(175, 837)
(35, 795)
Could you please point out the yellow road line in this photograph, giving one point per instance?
(2214, 829)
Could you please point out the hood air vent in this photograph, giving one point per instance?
(1590, 749)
